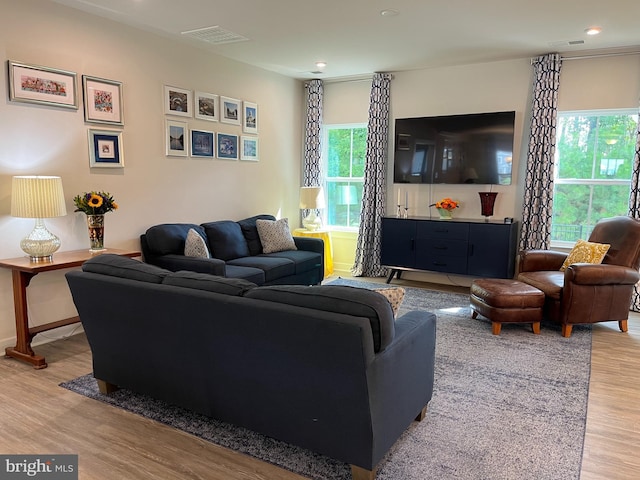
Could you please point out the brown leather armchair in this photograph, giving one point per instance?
(586, 293)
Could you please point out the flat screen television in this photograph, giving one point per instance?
(470, 148)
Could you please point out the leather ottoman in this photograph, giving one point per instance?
(507, 301)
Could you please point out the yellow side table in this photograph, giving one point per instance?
(325, 235)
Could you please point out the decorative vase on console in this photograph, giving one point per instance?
(95, 205)
(445, 208)
(487, 202)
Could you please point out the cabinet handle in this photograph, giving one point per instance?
(413, 244)
(440, 247)
(440, 264)
(471, 249)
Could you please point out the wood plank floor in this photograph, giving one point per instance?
(37, 416)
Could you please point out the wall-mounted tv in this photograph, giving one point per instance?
(471, 148)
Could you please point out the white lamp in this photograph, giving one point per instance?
(311, 198)
(38, 197)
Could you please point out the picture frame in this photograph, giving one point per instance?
(230, 110)
(177, 138)
(249, 117)
(202, 144)
(227, 146)
(42, 85)
(177, 101)
(249, 148)
(103, 101)
(206, 106)
(105, 148)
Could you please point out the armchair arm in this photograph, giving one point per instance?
(540, 260)
(589, 274)
(174, 262)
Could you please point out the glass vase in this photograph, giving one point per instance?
(96, 232)
(445, 214)
(487, 202)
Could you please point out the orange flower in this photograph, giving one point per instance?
(446, 203)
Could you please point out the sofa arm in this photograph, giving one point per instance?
(540, 260)
(309, 244)
(589, 274)
(175, 263)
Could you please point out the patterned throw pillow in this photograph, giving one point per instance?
(275, 235)
(586, 252)
(395, 295)
(195, 246)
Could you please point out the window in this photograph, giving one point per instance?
(345, 147)
(594, 162)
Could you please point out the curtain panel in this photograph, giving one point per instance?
(368, 247)
(634, 206)
(538, 195)
(311, 170)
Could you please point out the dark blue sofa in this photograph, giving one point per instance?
(237, 253)
(326, 368)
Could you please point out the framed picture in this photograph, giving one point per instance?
(202, 144)
(105, 149)
(42, 85)
(177, 101)
(206, 106)
(227, 146)
(177, 137)
(250, 117)
(102, 100)
(249, 148)
(230, 110)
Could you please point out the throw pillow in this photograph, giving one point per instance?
(586, 252)
(195, 246)
(395, 295)
(275, 235)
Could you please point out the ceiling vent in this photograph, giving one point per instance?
(566, 43)
(215, 35)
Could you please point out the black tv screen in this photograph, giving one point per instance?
(471, 148)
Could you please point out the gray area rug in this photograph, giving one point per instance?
(507, 407)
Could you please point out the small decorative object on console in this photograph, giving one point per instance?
(95, 205)
(487, 202)
(445, 207)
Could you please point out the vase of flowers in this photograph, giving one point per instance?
(445, 208)
(95, 205)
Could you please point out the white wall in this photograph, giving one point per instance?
(608, 82)
(152, 188)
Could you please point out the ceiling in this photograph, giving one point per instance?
(354, 39)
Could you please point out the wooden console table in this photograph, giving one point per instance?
(23, 270)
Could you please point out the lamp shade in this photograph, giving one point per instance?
(311, 198)
(37, 197)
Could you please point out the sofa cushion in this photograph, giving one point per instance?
(170, 237)
(354, 301)
(195, 245)
(124, 267)
(250, 232)
(273, 267)
(210, 283)
(250, 274)
(303, 259)
(225, 240)
(586, 252)
(275, 235)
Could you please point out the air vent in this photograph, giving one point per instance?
(566, 43)
(215, 35)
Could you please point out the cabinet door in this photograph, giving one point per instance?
(398, 242)
(492, 250)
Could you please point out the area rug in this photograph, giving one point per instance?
(507, 407)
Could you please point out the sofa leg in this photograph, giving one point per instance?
(566, 330)
(105, 387)
(535, 326)
(359, 473)
(422, 414)
(624, 325)
(496, 327)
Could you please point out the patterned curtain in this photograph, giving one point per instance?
(312, 137)
(634, 206)
(367, 261)
(538, 195)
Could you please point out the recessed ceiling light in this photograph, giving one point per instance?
(321, 64)
(389, 13)
(593, 30)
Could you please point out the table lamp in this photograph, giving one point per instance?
(311, 198)
(38, 197)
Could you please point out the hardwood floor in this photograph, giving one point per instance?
(37, 416)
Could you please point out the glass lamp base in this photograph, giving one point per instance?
(40, 244)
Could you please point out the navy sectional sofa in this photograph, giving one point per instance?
(326, 368)
(236, 253)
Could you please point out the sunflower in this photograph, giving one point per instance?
(95, 201)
